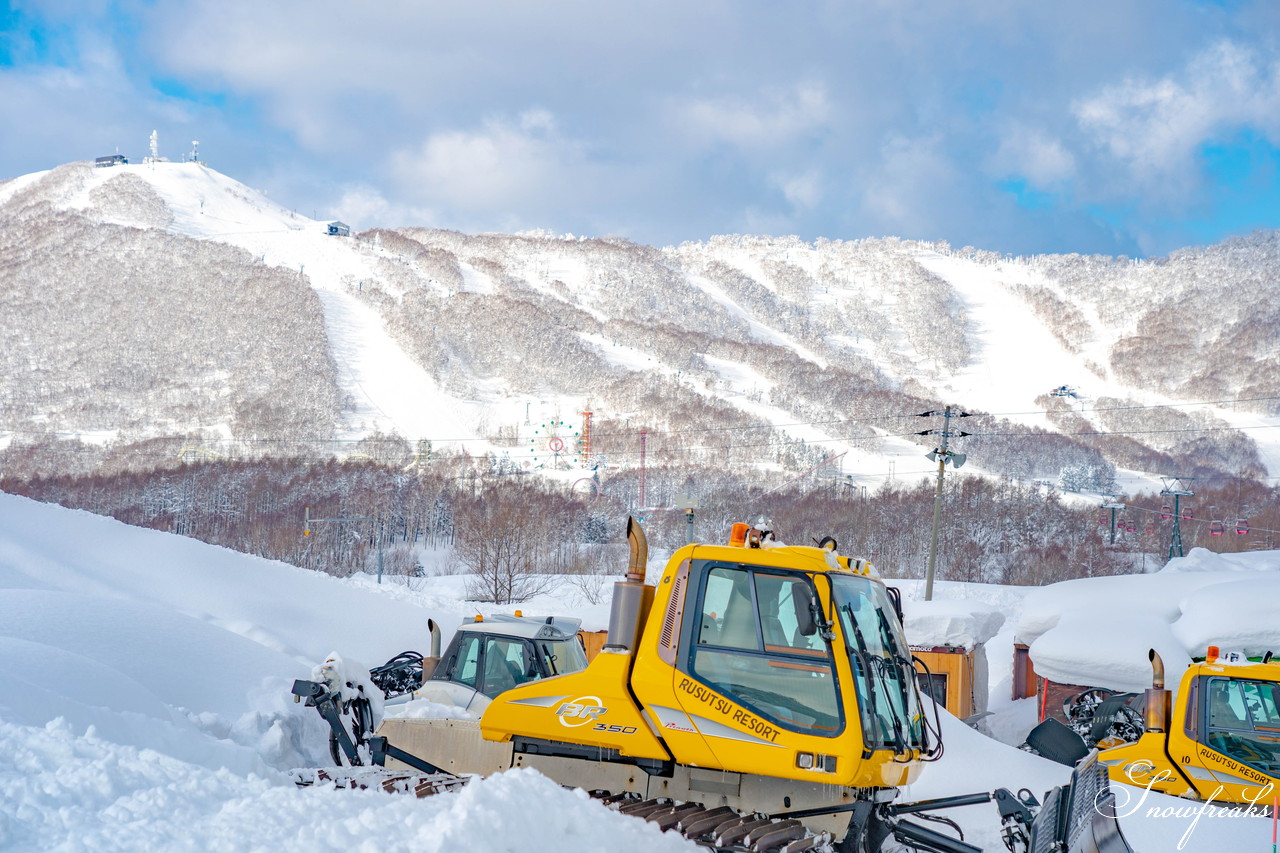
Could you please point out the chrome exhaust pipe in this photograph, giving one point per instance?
(1158, 700)
(628, 595)
(639, 546)
(429, 663)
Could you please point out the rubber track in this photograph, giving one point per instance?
(712, 827)
(719, 827)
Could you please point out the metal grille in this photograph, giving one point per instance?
(668, 639)
(1090, 794)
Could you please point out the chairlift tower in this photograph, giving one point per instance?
(1113, 504)
(1176, 486)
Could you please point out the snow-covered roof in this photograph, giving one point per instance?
(1097, 631)
(528, 627)
(960, 623)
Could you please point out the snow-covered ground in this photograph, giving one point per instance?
(145, 706)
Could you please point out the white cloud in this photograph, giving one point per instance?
(772, 118)
(1034, 155)
(364, 206)
(501, 164)
(802, 191)
(912, 186)
(1155, 127)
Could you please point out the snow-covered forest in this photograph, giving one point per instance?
(169, 301)
(993, 531)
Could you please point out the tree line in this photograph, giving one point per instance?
(510, 531)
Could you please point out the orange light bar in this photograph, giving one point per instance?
(1212, 654)
(738, 534)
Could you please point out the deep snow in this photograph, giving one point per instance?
(146, 706)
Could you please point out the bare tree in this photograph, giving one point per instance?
(503, 541)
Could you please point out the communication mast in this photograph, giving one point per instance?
(584, 443)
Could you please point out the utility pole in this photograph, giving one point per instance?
(1176, 486)
(644, 438)
(942, 456)
(688, 503)
(308, 520)
(1112, 505)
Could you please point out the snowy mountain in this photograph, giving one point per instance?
(146, 706)
(168, 301)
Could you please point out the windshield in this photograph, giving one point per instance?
(884, 676)
(563, 656)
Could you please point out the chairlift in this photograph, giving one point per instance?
(1102, 519)
(1187, 514)
(1166, 512)
(1242, 526)
(1130, 526)
(1151, 528)
(1217, 528)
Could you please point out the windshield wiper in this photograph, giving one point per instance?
(865, 660)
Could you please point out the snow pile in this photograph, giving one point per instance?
(1098, 631)
(951, 622)
(65, 790)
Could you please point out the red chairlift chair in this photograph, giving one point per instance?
(1242, 526)
(1217, 528)
(1187, 514)
(1166, 512)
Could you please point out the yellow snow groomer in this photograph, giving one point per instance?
(757, 697)
(1220, 742)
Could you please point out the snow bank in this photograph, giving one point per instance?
(67, 791)
(951, 622)
(1098, 631)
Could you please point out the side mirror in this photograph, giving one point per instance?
(802, 601)
(895, 597)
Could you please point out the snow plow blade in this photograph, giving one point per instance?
(1080, 817)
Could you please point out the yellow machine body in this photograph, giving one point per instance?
(724, 674)
(1221, 741)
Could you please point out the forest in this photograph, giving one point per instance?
(510, 530)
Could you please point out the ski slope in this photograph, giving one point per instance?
(1015, 358)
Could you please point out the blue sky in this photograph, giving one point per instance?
(1129, 127)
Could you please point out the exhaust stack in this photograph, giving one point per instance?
(429, 663)
(1155, 715)
(628, 595)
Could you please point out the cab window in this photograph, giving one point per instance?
(751, 647)
(1243, 721)
(507, 663)
(466, 664)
